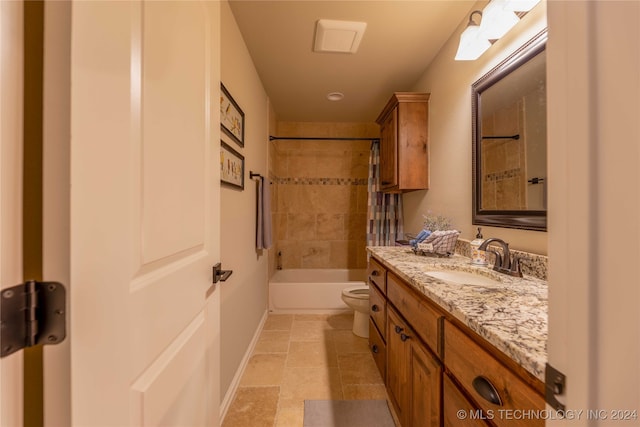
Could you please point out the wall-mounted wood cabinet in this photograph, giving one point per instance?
(404, 142)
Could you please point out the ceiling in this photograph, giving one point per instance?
(400, 41)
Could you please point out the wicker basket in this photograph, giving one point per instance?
(439, 243)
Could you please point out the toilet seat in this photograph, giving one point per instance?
(357, 292)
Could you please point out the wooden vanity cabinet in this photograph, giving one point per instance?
(414, 376)
(415, 309)
(404, 142)
(378, 310)
(377, 277)
(378, 349)
(399, 366)
(489, 383)
(456, 409)
(429, 362)
(414, 372)
(426, 380)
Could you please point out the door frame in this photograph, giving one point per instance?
(11, 134)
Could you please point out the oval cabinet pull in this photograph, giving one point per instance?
(487, 390)
(374, 349)
(404, 337)
(399, 329)
(375, 273)
(375, 308)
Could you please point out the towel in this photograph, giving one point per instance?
(263, 217)
(420, 237)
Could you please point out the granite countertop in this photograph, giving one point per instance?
(512, 316)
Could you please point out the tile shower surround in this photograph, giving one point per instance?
(321, 222)
(319, 195)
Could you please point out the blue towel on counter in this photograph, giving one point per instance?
(420, 237)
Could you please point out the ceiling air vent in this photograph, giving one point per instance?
(338, 36)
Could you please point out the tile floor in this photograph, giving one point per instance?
(300, 357)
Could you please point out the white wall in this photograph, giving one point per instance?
(449, 83)
(244, 295)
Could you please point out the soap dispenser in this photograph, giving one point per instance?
(478, 257)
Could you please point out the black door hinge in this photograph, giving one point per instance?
(555, 385)
(32, 314)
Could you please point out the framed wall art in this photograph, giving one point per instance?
(231, 117)
(231, 166)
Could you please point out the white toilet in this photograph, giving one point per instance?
(357, 297)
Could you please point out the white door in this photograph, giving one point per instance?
(11, 193)
(144, 213)
(594, 215)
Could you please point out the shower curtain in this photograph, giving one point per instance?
(384, 212)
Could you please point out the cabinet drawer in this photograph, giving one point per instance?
(378, 310)
(424, 319)
(457, 410)
(467, 361)
(378, 349)
(377, 275)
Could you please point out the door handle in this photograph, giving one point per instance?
(220, 275)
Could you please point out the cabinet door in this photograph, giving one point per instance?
(377, 275)
(378, 310)
(426, 378)
(389, 150)
(458, 412)
(399, 366)
(378, 349)
(413, 146)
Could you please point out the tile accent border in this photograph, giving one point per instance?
(499, 176)
(321, 181)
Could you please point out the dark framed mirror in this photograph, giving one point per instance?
(509, 107)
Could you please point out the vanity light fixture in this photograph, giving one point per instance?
(496, 21)
(497, 18)
(471, 44)
(520, 5)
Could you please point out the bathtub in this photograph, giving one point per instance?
(308, 291)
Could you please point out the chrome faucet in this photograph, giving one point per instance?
(503, 262)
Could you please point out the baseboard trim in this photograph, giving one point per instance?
(231, 391)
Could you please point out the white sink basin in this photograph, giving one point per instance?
(463, 278)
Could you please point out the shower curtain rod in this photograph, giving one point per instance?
(319, 138)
